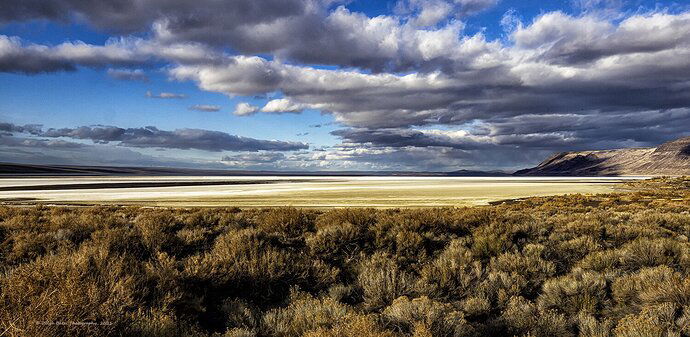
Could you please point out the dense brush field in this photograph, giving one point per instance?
(603, 265)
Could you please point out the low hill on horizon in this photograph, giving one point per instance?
(15, 169)
(668, 159)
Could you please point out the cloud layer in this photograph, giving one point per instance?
(152, 137)
(398, 84)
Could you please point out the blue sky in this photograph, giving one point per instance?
(365, 85)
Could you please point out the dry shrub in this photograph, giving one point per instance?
(342, 293)
(651, 322)
(597, 266)
(525, 318)
(289, 221)
(121, 241)
(304, 313)
(568, 252)
(411, 233)
(154, 324)
(337, 243)
(674, 289)
(589, 326)
(423, 314)
(25, 219)
(683, 322)
(410, 247)
(361, 218)
(241, 315)
(627, 290)
(168, 290)
(641, 253)
(679, 223)
(239, 332)
(451, 274)
(55, 295)
(212, 218)
(528, 264)
(499, 287)
(194, 239)
(79, 225)
(247, 264)
(476, 307)
(28, 246)
(354, 325)
(382, 281)
(575, 293)
(157, 230)
(511, 232)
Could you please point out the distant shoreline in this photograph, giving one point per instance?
(145, 184)
(16, 170)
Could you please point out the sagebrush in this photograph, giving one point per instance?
(601, 265)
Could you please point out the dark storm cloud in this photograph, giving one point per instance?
(145, 137)
(527, 94)
(132, 16)
(9, 128)
(669, 121)
(10, 141)
(14, 58)
(99, 134)
(152, 137)
(460, 140)
(53, 151)
(19, 56)
(406, 138)
(309, 31)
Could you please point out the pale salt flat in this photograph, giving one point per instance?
(323, 191)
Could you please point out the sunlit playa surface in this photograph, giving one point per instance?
(261, 191)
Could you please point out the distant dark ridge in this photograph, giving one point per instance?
(668, 159)
(13, 169)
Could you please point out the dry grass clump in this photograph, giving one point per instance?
(602, 265)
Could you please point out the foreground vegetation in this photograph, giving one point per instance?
(602, 265)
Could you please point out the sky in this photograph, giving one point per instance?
(404, 85)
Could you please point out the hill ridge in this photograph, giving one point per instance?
(668, 159)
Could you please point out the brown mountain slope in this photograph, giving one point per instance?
(672, 158)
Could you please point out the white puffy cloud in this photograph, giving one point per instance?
(254, 160)
(282, 105)
(245, 109)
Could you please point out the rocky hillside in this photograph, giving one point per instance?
(672, 158)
